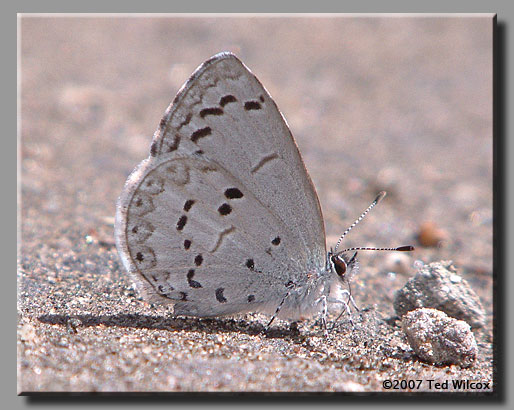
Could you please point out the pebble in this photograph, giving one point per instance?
(437, 285)
(439, 339)
(430, 235)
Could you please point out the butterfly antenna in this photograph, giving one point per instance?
(405, 248)
(379, 197)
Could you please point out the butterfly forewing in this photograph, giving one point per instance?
(223, 213)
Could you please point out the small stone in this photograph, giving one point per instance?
(439, 339)
(437, 285)
(430, 235)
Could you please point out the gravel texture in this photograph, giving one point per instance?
(396, 104)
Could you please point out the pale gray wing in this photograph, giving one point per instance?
(222, 215)
(226, 113)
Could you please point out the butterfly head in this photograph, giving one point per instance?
(344, 265)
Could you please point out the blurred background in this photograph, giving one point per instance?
(402, 104)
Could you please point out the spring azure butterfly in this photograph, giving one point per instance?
(222, 217)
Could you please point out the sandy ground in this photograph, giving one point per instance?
(398, 104)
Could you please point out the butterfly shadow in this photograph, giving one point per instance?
(173, 324)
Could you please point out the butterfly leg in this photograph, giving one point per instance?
(277, 311)
(324, 311)
(347, 303)
(346, 307)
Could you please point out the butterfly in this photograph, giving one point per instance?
(222, 218)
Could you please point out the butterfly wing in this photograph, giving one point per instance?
(222, 215)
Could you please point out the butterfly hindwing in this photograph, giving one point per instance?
(196, 234)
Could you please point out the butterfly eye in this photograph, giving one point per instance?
(339, 265)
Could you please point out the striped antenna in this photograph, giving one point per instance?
(406, 248)
(379, 197)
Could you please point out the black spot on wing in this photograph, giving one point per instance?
(225, 209)
(200, 133)
(190, 281)
(189, 203)
(219, 295)
(252, 105)
(181, 222)
(211, 111)
(227, 99)
(233, 193)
